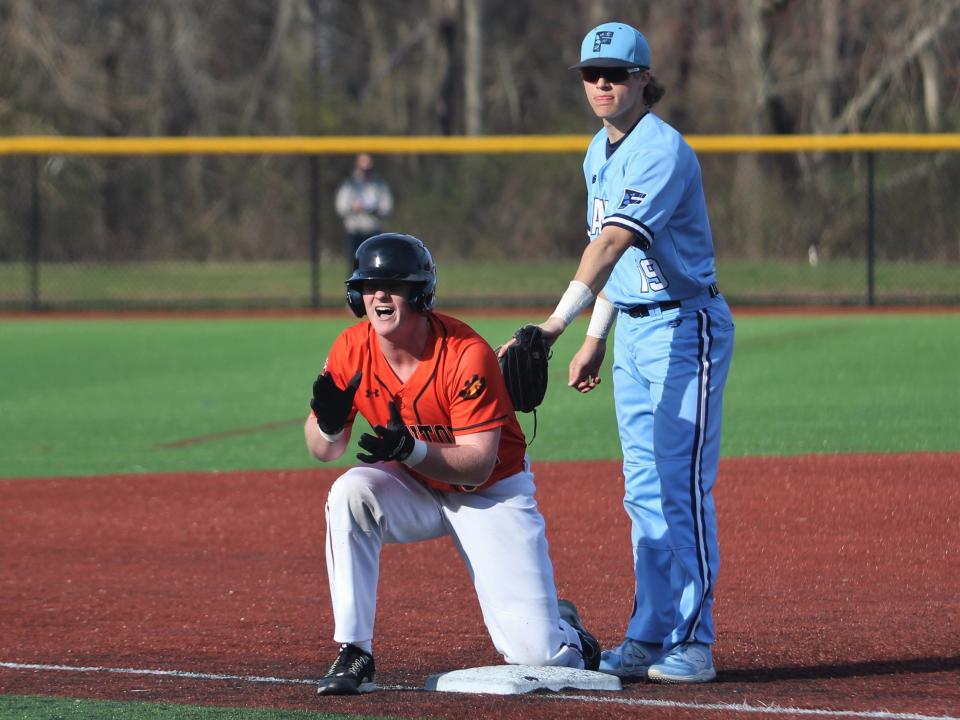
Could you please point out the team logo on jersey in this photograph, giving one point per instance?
(604, 37)
(631, 197)
(473, 387)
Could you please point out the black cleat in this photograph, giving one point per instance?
(350, 674)
(589, 647)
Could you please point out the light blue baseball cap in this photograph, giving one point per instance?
(614, 44)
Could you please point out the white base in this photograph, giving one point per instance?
(519, 679)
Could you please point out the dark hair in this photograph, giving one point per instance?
(653, 92)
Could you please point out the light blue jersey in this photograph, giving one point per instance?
(651, 186)
(672, 353)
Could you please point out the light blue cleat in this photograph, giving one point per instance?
(686, 663)
(631, 659)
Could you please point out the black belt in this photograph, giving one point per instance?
(645, 310)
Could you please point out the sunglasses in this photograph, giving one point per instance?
(610, 74)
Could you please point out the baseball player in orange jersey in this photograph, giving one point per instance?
(446, 457)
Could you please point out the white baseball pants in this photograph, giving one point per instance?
(499, 533)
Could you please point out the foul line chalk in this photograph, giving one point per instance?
(175, 673)
(721, 707)
(163, 673)
(759, 709)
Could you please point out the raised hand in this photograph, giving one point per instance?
(332, 405)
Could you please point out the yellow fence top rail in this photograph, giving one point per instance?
(488, 144)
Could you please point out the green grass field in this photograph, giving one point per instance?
(465, 283)
(14, 707)
(118, 395)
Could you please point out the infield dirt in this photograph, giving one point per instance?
(838, 590)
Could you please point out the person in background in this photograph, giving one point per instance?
(363, 201)
(649, 265)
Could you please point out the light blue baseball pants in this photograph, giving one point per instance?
(669, 373)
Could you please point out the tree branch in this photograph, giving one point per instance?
(847, 119)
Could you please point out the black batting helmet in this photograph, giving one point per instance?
(393, 256)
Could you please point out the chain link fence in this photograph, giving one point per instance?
(254, 228)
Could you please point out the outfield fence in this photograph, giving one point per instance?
(247, 222)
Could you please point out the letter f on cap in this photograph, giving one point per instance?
(614, 45)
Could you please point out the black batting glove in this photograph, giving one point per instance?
(393, 442)
(332, 405)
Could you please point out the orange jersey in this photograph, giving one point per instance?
(457, 389)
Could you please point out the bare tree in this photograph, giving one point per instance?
(191, 67)
(473, 12)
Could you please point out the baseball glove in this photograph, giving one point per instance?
(524, 368)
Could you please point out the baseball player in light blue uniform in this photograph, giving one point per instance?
(650, 266)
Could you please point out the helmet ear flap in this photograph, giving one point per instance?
(422, 297)
(355, 301)
(415, 298)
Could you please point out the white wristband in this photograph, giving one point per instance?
(574, 300)
(330, 438)
(416, 455)
(602, 318)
